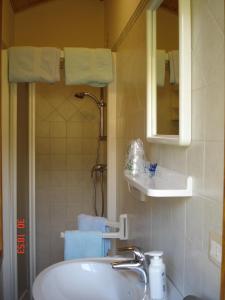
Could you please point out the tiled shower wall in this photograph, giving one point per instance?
(66, 144)
(180, 227)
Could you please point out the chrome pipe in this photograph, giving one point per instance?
(100, 104)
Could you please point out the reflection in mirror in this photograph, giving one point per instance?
(167, 64)
(169, 72)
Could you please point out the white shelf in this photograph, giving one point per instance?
(166, 183)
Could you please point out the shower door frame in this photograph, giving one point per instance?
(13, 178)
(32, 199)
(9, 179)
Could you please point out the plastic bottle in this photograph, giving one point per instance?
(157, 276)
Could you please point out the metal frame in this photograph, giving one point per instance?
(9, 265)
(32, 213)
(9, 179)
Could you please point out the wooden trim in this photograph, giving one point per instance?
(1, 215)
(17, 7)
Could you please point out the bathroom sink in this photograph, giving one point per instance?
(88, 279)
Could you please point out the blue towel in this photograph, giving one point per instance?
(83, 244)
(87, 223)
(91, 223)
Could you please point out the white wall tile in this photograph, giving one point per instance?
(74, 129)
(217, 11)
(198, 114)
(58, 129)
(90, 130)
(89, 146)
(211, 280)
(43, 145)
(75, 178)
(213, 212)
(179, 227)
(74, 162)
(213, 177)
(66, 109)
(58, 145)
(43, 162)
(58, 162)
(195, 165)
(42, 129)
(214, 110)
(193, 271)
(195, 221)
(74, 145)
(57, 178)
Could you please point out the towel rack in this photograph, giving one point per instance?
(121, 227)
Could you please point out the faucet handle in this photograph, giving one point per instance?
(138, 254)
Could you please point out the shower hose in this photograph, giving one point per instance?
(98, 170)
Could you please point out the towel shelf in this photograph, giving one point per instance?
(166, 183)
(121, 227)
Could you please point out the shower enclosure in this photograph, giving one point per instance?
(58, 143)
(70, 164)
(98, 170)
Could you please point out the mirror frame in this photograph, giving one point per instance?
(184, 137)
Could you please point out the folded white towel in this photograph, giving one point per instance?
(161, 61)
(88, 66)
(174, 66)
(32, 64)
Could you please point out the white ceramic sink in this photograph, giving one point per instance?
(87, 279)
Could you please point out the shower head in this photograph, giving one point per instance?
(81, 95)
(100, 104)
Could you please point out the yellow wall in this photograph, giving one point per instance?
(117, 14)
(167, 35)
(7, 24)
(62, 23)
(167, 30)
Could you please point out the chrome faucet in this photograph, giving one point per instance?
(138, 263)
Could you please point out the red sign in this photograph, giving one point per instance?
(21, 238)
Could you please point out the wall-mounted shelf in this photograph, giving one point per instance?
(166, 183)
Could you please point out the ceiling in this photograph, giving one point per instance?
(172, 5)
(19, 5)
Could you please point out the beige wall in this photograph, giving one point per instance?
(61, 23)
(117, 14)
(7, 24)
(179, 226)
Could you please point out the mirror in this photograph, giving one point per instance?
(169, 72)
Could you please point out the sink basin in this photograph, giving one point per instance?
(88, 279)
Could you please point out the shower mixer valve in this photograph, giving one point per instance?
(98, 168)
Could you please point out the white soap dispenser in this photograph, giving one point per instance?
(157, 276)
